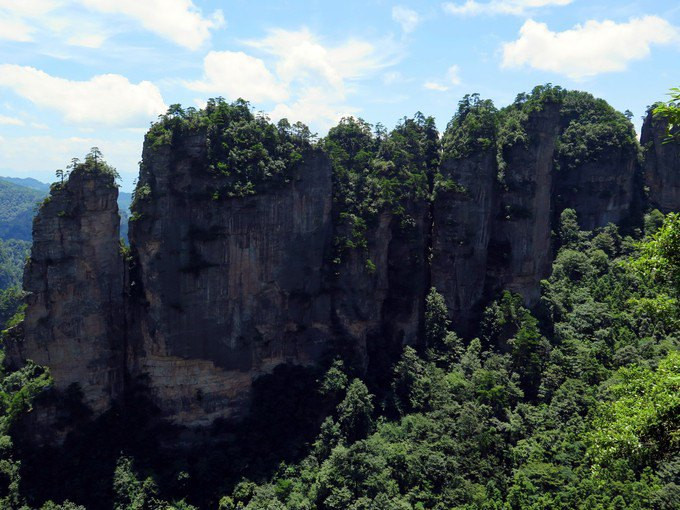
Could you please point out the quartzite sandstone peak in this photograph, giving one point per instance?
(220, 290)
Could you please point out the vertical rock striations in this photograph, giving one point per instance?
(224, 288)
(515, 171)
(74, 278)
(661, 165)
(520, 251)
(461, 233)
(251, 246)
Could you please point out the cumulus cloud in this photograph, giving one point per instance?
(312, 107)
(20, 157)
(407, 18)
(319, 77)
(300, 55)
(305, 78)
(514, 7)
(108, 99)
(177, 20)
(235, 74)
(589, 49)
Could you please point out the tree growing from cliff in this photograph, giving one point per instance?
(671, 112)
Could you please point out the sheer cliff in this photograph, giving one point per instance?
(74, 279)
(224, 289)
(253, 245)
(662, 164)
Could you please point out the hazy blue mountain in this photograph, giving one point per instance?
(28, 182)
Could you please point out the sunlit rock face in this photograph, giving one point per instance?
(74, 278)
(497, 231)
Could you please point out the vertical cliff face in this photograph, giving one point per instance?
(545, 153)
(378, 293)
(461, 233)
(234, 265)
(661, 165)
(74, 278)
(225, 288)
(520, 248)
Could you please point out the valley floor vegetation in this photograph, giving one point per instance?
(576, 405)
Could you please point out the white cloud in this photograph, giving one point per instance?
(178, 20)
(407, 18)
(453, 75)
(301, 56)
(589, 49)
(452, 78)
(515, 7)
(13, 29)
(108, 99)
(433, 85)
(10, 121)
(235, 74)
(13, 14)
(313, 107)
(87, 40)
(18, 155)
(29, 7)
(319, 77)
(304, 78)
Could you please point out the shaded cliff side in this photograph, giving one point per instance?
(252, 245)
(224, 289)
(661, 164)
(516, 170)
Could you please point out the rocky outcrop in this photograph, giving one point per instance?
(219, 290)
(497, 230)
(661, 165)
(520, 246)
(74, 278)
(225, 289)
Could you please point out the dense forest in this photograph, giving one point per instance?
(574, 403)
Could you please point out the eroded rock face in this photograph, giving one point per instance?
(378, 294)
(220, 291)
(661, 166)
(225, 289)
(520, 251)
(75, 317)
(497, 232)
(461, 233)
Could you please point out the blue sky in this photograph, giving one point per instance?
(78, 73)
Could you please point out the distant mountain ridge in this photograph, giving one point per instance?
(28, 182)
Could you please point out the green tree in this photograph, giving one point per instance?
(436, 319)
(355, 412)
(660, 256)
(642, 423)
(671, 112)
